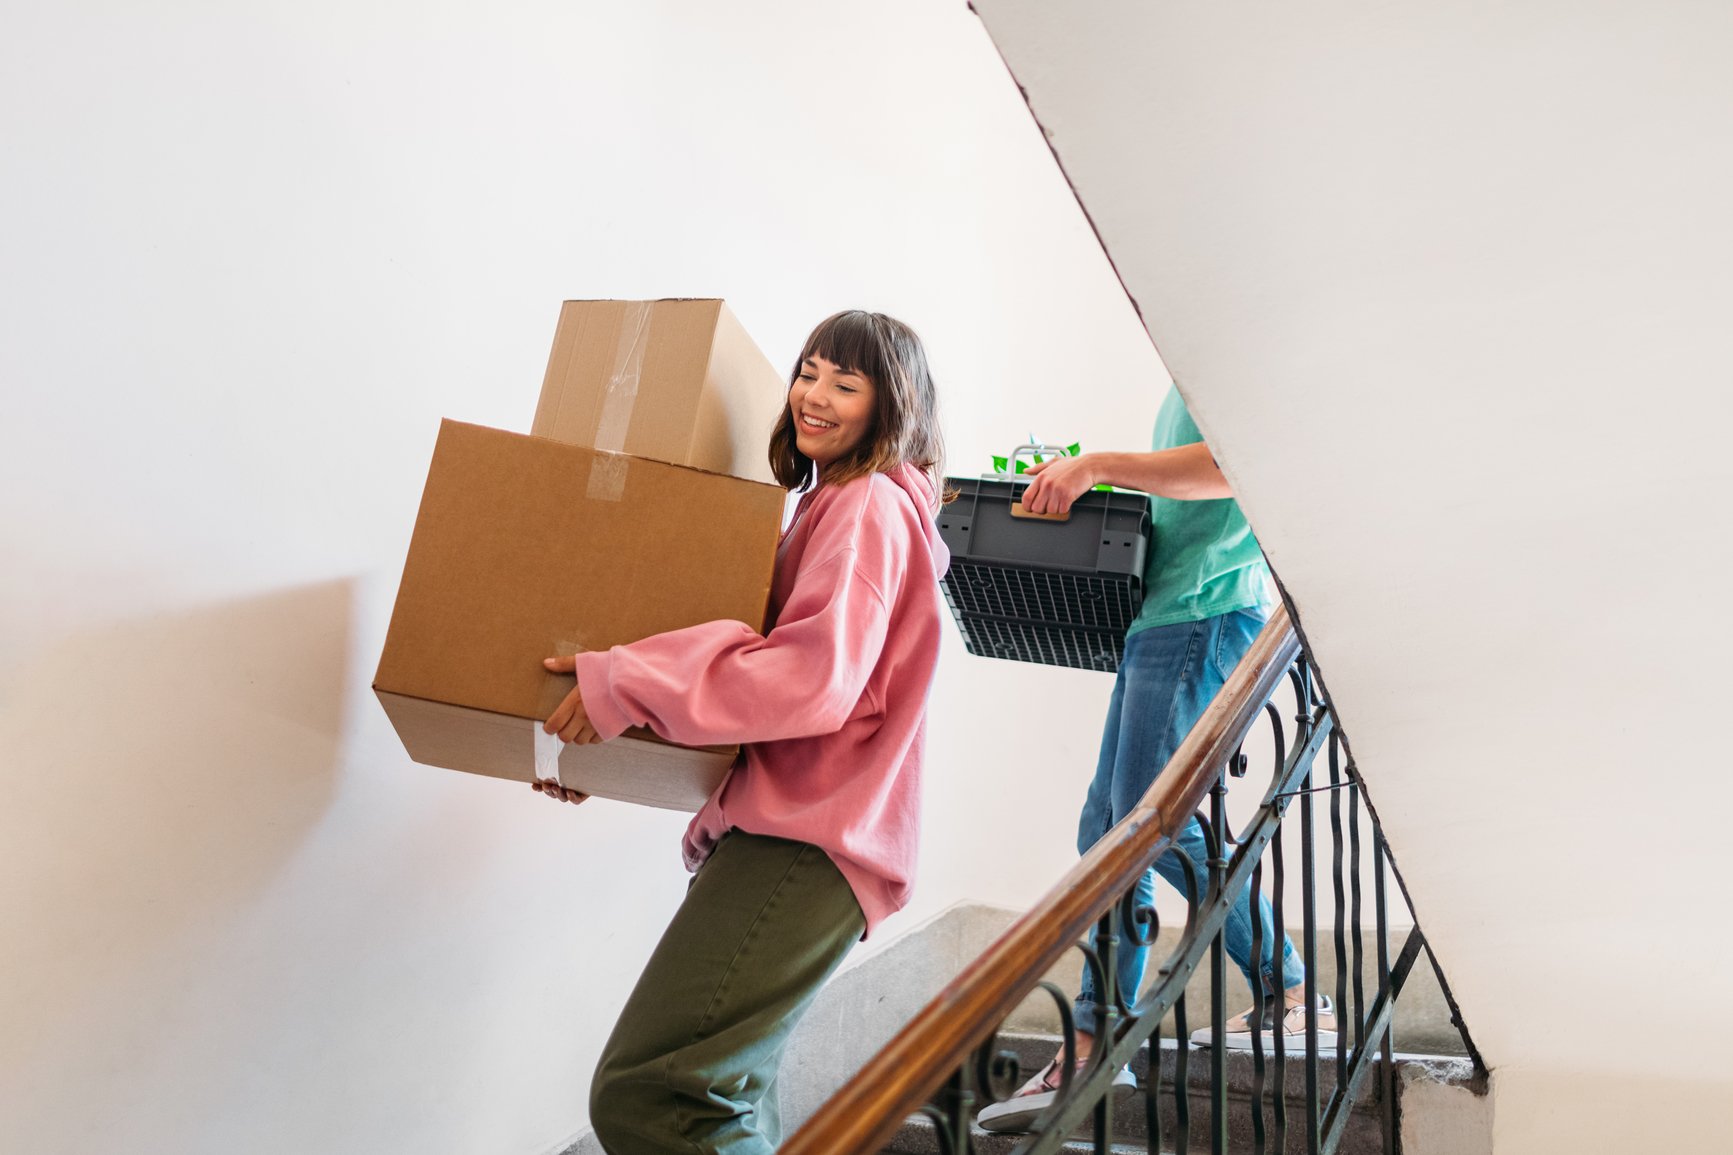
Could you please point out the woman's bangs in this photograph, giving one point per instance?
(852, 343)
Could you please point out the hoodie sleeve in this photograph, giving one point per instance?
(721, 682)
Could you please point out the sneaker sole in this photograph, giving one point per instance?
(1028, 1108)
(1019, 1113)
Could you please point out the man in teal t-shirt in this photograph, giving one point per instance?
(1205, 561)
(1206, 596)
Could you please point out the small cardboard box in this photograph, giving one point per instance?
(525, 548)
(674, 380)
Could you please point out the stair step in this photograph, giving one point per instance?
(1364, 1135)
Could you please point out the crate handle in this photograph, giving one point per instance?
(1034, 451)
(1017, 510)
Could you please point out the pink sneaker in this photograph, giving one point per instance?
(1238, 1033)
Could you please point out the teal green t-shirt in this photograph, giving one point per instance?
(1203, 559)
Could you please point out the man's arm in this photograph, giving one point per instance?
(1185, 473)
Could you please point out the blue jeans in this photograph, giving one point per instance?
(1168, 677)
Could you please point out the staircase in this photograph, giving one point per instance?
(921, 1091)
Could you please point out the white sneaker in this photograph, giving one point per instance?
(1016, 1114)
(1238, 1033)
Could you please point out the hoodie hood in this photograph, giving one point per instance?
(915, 482)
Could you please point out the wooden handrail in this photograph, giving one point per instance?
(862, 1117)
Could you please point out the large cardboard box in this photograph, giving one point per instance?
(525, 548)
(674, 380)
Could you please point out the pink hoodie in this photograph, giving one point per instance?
(831, 704)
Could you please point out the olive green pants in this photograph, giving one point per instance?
(691, 1065)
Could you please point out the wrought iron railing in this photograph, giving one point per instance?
(948, 1063)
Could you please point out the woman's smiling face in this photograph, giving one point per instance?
(832, 410)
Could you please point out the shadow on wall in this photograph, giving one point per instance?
(157, 776)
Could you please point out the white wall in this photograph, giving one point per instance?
(1448, 288)
(252, 255)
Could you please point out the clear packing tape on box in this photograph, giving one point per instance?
(622, 394)
(549, 747)
(608, 475)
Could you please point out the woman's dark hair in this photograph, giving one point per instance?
(905, 421)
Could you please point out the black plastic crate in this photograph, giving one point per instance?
(1048, 645)
(1061, 593)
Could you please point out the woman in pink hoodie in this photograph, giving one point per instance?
(810, 841)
